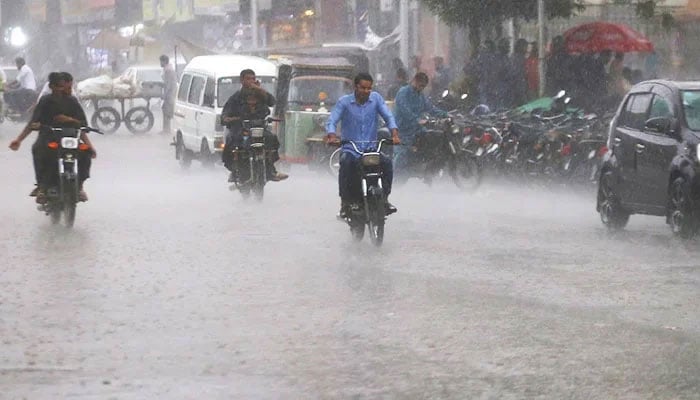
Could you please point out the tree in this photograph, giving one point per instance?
(477, 14)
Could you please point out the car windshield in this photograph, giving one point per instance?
(308, 91)
(691, 108)
(230, 85)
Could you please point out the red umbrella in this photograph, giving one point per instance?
(595, 37)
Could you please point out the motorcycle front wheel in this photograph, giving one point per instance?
(465, 172)
(70, 201)
(376, 220)
(259, 183)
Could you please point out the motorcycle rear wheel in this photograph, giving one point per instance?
(357, 229)
(55, 215)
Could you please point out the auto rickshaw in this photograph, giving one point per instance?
(307, 90)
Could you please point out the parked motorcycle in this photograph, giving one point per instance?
(371, 211)
(62, 194)
(250, 159)
(437, 152)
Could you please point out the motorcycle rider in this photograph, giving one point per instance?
(255, 109)
(231, 117)
(61, 110)
(358, 113)
(22, 90)
(410, 106)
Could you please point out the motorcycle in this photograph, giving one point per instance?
(438, 151)
(371, 211)
(250, 159)
(15, 114)
(62, 194)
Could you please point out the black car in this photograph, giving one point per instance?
(653, 160)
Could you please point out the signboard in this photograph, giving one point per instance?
(84, 11)
(168, 10)
(217, 7)
(37, 10)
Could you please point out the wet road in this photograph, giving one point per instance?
(172, 287)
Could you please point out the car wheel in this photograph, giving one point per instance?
(611, 212)
(682, 218)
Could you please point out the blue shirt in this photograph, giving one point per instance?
(359, 121)
(409, 105)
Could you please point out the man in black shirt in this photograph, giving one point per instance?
(233, 113)
(58, 110)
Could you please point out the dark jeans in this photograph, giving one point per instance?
(46, 163)
(349, 179)
(272, 145)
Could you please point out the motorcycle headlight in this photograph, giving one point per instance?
(69, 143)
(371, 160)
(256, 132)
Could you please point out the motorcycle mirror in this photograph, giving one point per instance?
(567, 100)
(464, 96)
(560, 94)
(445, 93)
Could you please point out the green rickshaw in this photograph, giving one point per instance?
(307, 90)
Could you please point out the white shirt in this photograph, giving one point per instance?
(25, 77)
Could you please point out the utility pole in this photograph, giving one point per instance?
(403, 22)
(254, 22)
(540, 45)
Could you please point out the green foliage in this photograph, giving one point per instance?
(462, 12)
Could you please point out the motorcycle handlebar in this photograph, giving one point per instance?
(82, 128)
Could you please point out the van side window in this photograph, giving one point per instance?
(184, 87)
(208, 100)
(196, 90)
(635, 112)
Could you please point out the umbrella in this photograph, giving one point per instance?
(595, 37)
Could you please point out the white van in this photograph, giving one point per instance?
(206, 84)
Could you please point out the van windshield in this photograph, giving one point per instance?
(308, 91)
(691, 108)
(230, 85)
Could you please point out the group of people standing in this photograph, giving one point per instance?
(504, 79)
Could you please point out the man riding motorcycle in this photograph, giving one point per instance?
(20, 93)
(358, 114)
(410, 106)
(56, 110)
(232, 115)
(255, 109)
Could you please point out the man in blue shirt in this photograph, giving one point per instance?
(410, 106)
(358, 114)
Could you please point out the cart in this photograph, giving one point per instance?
(138, 120)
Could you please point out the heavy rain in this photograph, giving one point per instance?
(499, 277)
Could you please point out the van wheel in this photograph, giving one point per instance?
(205, 155)
(611, 212)
(681, 212)
(183, 155)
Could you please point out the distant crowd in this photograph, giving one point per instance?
(502, 79)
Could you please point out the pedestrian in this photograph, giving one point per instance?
(533, 73)
(441, 79)
(169, 92)
(518, 74)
